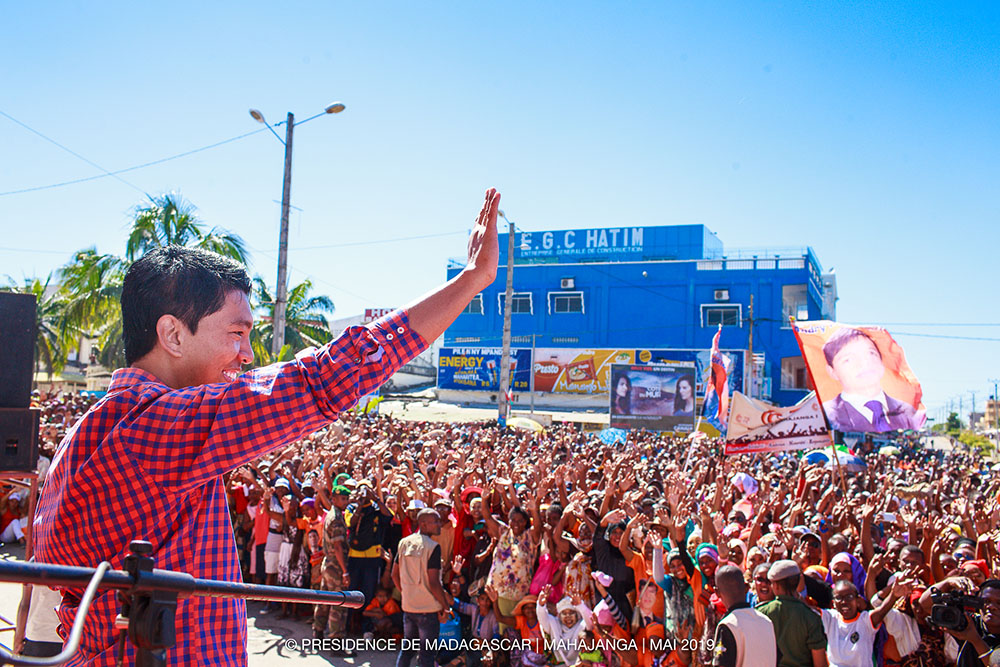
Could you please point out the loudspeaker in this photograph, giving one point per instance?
(19, 439)
(17, 347)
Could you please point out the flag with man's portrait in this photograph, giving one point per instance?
(861, 377)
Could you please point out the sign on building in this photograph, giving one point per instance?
(479, 368)
(655, 397)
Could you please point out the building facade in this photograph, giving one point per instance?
(655, 293)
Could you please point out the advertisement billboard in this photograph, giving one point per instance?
(655, 397)
(702, 360)
(577, 371)
(479, 368)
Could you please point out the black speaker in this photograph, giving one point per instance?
(17, 348)
(19, 439)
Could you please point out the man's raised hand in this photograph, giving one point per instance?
(484, 251)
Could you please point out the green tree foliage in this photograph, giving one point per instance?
(306, 324)
(56, 338)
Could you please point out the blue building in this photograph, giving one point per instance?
(659, 292)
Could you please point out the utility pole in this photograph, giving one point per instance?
(505, 350)
(752, 366)
(996, 406)
(972, 416)
(531, 377)
(281, 293)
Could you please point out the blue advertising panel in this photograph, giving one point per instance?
(479, 368)
(702, 360)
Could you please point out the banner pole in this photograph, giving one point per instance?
(833, 448)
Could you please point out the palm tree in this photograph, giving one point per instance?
(170, 219)
(305, 320)
(55, 338)
(92, 282)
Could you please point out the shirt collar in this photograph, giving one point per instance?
(126, 377)
(858, 403)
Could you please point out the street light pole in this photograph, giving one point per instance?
(281, 293)
(281, 290)
(505, 350)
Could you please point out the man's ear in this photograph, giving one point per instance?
(832, 373)
(169, 332)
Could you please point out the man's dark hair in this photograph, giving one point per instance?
(988, 584)
(184, 282)
(843, 337)
(912, 549)
(729, 578)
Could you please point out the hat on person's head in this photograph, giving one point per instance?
(308, 483)
(564, 604)
(282, 483)
(783, 569)
(470, 491)
(339, 479)
(416, 504)
(446, 502)
(308, 502)
(525, 601)
(809, 535)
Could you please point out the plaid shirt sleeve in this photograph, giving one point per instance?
(184, 438)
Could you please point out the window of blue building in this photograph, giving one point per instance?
(794, 303)
(565, 302)
(520, 302)
(712, 315)
(475, 306)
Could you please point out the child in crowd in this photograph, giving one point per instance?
(386, 615)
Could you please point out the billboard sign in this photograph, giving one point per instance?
(702, 360)
(479, 368)
(577, 371)
(655, 397)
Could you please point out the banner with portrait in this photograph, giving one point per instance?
(655, 397)
(861, 377)
(755, 426)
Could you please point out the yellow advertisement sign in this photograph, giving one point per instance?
(577, 371)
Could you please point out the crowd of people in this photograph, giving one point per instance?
(656, 551)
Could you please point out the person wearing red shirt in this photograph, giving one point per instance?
(147, 460)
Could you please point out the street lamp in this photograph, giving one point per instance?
(281, 292)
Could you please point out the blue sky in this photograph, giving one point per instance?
(866, 130)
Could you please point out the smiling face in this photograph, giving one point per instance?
(858, 367)
(845, 600)
(220, 347)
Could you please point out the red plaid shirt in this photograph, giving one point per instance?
(147, 461)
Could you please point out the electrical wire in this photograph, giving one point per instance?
(71, 152)
(117, 171)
